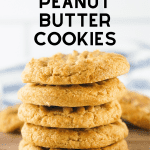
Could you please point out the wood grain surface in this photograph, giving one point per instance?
(138, 139)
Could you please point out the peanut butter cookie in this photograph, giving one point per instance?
(75, 68)
(9, 120)
(74, 138)
(122, 145)
(136, 109)
(70, 117)
(72, 95)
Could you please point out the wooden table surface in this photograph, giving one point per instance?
(138, 139)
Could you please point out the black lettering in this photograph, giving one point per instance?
(110, 38)
(70, 18)
(50, 40)
(91, 38)
(54, 4)
(36, 39)
(94, 5)
(61, 20)
(67, 2)
(44, 3)
(82, 15)
(102, 15)
(64, 38)
(105, 3)
(82, 3)
(81, 38)
(44, 18)
(97, 38)
(92, 20)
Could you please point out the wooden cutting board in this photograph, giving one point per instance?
(138, 139)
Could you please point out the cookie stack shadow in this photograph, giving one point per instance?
(70, 102)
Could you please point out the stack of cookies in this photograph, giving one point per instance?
(70, 101)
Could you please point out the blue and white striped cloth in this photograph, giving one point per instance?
(138, 79)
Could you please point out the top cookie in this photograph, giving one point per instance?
(75, 68)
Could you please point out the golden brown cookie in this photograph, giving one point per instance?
(9, 120)
(70, 117)
(121, 145)
(72, 95)
(75, 68)
(136, 109)
(74, 138)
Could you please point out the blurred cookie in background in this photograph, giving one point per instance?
(136, 109)
(9, 121)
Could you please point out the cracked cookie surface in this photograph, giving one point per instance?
(74, 138)
(136, 109)
(121, 145)
(70, 117)
(9, 121)
(72, 95)
(75, 68)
